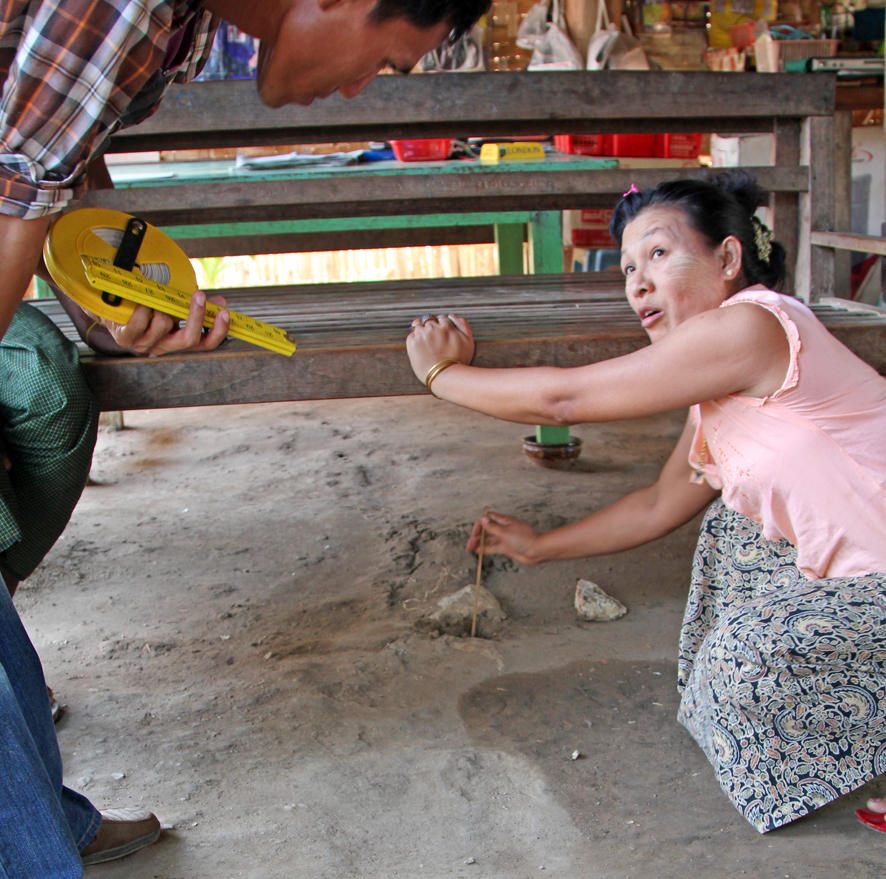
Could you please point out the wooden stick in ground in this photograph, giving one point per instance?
(477, 587)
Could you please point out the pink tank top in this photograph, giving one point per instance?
(809, 462)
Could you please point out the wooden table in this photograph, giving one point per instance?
(798, 108)
(362, 355)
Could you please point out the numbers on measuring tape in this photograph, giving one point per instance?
(136, 288)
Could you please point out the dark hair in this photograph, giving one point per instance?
(721, 205)
(461, 14)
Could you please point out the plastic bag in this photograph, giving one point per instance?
(554, 50)
(614, 48)
(533, 26)
(465, 55)
(626, 52)
(602, 40)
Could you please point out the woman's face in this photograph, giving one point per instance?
(671, 272)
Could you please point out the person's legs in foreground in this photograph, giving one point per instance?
(49, 423)
(42, 824)
(781, 677)
(48, 419)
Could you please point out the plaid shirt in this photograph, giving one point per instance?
(73, 72)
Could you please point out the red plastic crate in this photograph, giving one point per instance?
(677, 146)
(425, 150)
(579, 144)
(638, 145)
(742, 34)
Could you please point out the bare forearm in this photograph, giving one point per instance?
(91, 332)
(525, 396)
(631, 521)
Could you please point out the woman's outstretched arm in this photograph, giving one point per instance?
(739, 350)
(635, 519)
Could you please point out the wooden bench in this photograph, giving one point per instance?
(351, 339)
(797, 108)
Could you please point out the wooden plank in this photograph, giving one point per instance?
(842, 199)
(850, 241)
(815, 265)
(859, 98)
(492, 189)
(330, 372)
(218, 114)
(299, 227)
(354, 239)
(785, 205)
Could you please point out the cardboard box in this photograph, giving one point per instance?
(587, 228)
(743, 149)
(590, 228)
(868, 182)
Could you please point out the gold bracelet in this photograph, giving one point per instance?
(435, 370)
(92, 326)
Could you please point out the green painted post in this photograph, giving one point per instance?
(42, 290)
(546, 243)
(546, 257)
(509, 241)
(276, 227)
(549, 433)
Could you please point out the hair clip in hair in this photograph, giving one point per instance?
(763, 240)
(632, 189)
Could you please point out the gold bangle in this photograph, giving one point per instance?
(435, 370)
(92, 326)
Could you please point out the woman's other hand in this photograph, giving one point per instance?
(505, 535)
(432, 339)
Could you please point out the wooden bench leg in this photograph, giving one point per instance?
(843, 199)
(545, 257)
(815, 266)
(548, 433)
(112, 420)
(509, 241)
(546, 243)
(42, 290)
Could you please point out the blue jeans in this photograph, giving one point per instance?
(43, 825)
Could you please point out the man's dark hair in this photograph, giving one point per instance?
(717, 207)
(461, 14)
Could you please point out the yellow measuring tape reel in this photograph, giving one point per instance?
(80, 252)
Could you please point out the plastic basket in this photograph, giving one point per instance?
(638, 145)
(677, 146)
(579, 144)
(590, 228)
(796, 50)
(742, 34)
(425, 150)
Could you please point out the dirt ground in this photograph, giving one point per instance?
(232, 617)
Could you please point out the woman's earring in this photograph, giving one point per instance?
(729, 272)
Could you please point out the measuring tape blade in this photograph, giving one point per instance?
(130, 285)
(86, 240)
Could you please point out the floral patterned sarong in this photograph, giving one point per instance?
(783, 679)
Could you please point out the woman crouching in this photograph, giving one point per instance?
(783, 646)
